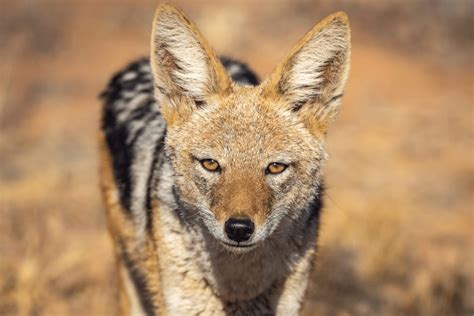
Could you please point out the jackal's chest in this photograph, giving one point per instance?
(196, 279)
(184, 288)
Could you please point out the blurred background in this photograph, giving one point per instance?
(397, 234)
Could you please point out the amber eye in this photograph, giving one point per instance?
(276, 168)
(210, 165)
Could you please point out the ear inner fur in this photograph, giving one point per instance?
(185, 68)
(314, 73)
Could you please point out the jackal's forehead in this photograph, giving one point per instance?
(246, 128)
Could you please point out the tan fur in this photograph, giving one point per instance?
(116, 224)
(124, 238)
(188, 270)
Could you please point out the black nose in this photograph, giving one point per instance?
(239, 229)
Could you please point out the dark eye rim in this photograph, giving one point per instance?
(285, 166)
(202, 161)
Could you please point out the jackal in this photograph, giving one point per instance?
(212, 181)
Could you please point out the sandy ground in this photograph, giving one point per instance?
(397, 235)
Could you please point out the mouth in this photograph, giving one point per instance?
(238, 246)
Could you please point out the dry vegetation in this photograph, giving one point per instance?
(397, 235)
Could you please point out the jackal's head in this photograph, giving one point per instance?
(247, 160)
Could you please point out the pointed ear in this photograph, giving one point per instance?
(312, 77)
(185, 69)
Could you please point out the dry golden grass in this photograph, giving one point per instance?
(397, 236)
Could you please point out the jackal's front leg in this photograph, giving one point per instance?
(294, 288)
